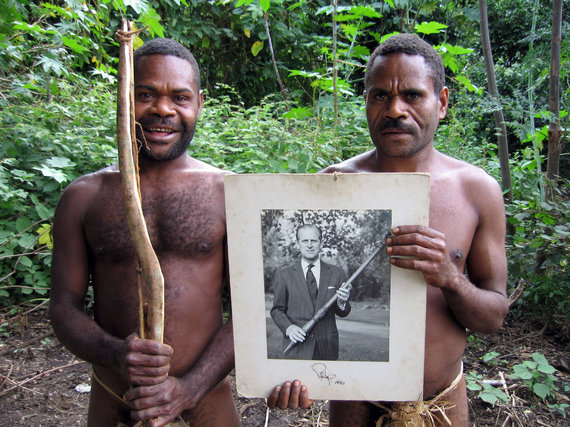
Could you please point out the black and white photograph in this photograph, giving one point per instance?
(327, 284)
(314, 296)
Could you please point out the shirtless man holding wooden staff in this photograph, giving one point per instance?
(183, 203)
(405, 99)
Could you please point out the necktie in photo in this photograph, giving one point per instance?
(312, 284)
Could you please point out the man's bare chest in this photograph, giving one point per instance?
(180, 222)
(452, 214)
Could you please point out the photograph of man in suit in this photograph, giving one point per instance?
(297, 297)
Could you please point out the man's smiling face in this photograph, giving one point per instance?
(167, 105)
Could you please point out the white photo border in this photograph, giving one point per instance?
(400, 378)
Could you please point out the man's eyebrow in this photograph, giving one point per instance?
(141, 86)
(413, 89)
(153, 88)
(182, 89)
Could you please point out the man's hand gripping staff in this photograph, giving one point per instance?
(321, 312)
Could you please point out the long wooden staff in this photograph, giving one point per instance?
(147, 261)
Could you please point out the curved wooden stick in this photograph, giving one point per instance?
(128, 166)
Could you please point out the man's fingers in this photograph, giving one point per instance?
(137, 393)
(143, 380)
(294, 395)
(297, 337)
(304, 401)
(416, 229)
(273, 397)
(284, 393)
(155, 417)
(146, 375)
(148, 361)
(290, 395)
(296, 334)
(155, 348)
(418, 252)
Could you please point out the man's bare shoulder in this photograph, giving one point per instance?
(357, 164)
(196, 165)
(476, 185)
(202, 171)
(468, 175)
(77, 198)
(90, 183)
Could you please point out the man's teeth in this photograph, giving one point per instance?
(159, 130)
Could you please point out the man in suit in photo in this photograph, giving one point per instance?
(300, 290)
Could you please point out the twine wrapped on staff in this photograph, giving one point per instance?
(147, 261)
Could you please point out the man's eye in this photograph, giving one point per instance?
(380, 97)
(414, 96)
(182, 99)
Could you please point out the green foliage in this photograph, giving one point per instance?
(267, 138)
(538, 249)
(45, 145)
(485, 391)
(57, 71)
(537, 375)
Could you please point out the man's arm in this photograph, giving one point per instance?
(280, 303)
(69, 283)
(478, 302)
(486, 268)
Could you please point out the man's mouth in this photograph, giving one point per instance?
(163, 130)
(159, 134)
(397, 131)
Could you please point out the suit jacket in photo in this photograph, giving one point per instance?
(292, 304)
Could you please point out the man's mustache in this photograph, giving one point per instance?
(167, 123)
(395, 124)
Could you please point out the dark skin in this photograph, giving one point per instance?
(465, 234)
(184, 207)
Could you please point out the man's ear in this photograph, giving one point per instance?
(443, 102)
(365, 94)
(200, 101)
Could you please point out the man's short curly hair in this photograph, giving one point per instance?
(163, 46)
(410, 44)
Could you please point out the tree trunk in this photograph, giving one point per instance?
(554, 130)
(273, 57)
(335, 63)
(498, 113)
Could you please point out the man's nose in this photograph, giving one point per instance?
(162, 107)
(397, 108)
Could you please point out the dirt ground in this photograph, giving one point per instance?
(42, 384)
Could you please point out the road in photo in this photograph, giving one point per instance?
(363, 334)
